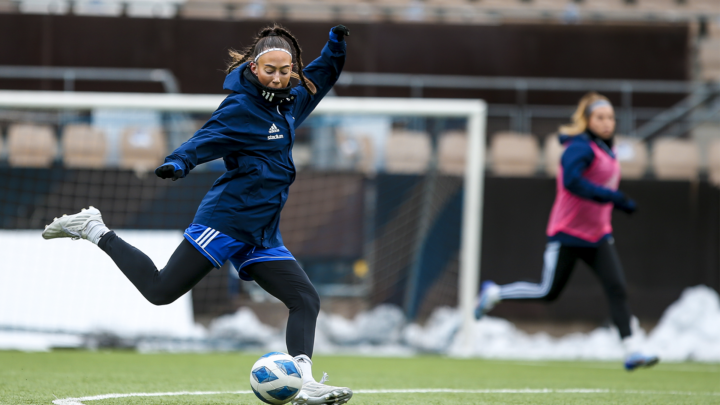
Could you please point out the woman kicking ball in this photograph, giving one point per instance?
(253, 130)
(580, 223)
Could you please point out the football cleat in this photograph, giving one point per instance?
(488, 297)
(313, 393)
(72, 226)
(639, 360)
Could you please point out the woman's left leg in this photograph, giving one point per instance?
(287, 281)
(607, 266)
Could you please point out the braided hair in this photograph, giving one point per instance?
(273, 37)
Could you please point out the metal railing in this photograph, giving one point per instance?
(700, 104)
(521, 113)
(69, 75)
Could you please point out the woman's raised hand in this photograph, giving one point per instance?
(339, 32)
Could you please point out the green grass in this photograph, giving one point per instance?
(39, 378)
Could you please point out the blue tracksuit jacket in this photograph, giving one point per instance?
(246, 201)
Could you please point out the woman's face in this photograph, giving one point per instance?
(602, 121)
(273, 69)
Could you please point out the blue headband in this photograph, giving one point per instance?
(595, 105)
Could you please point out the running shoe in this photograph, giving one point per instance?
(639, 360)
(73, 226)
(489, 296)
(314, 393)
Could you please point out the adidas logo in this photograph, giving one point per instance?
(273, 129)
(271, 137)
(267, 95)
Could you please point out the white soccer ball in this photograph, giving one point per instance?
(276, 378)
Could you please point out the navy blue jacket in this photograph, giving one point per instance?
(246, 201)
(578, 156)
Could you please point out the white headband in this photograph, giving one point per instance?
(595, 105)
(270, 50)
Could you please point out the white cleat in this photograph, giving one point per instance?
(314, 393)
(72, 226)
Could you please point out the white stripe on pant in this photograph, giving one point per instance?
(526, 290)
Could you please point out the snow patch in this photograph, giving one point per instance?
(689, 330)
(690, 327)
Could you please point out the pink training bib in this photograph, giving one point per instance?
(580, 217)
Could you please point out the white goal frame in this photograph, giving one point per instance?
(475, 111)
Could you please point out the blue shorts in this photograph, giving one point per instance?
(218, 248)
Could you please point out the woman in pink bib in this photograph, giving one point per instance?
(580, 223)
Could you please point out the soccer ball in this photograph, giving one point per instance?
(276, 378)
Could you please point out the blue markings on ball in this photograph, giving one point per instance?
(288, 367)
(282, 393)
(263, 375)
(257, 394)
(271, 354)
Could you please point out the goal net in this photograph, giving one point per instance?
(386, 208)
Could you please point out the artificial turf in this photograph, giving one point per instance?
(40, 378)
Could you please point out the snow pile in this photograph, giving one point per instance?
(500, 339)
(690, 328)
(688, 331)
(437, 334)
(38, 342)
(242, 326)
(380, 326)
(376, 332)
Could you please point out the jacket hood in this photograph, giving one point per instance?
(234, 81)
(567, 138)
(587, 136)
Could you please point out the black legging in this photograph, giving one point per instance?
(559, 263)
(283, 279)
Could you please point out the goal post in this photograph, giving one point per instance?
(473, 111)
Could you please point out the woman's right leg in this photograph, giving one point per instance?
(186, 267)
(558, 264)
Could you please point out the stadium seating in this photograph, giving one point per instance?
(446, 11)
(366, 164)
(83, 147)
(714, 162)
(452, 151)
(552, 151)
(356, 152)
(658, 5)
(204, 10)
(675, 159)
(142, 149)
(514, 154)
(407, 152)
(31, 145)
(7, 6)
(633, 157)
(709, 53)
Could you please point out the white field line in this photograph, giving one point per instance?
(79, 401)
